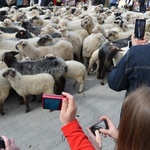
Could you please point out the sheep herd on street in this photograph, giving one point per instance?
(47, 45)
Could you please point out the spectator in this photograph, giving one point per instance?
(133, 69)
(71, 128)
(129, 4)
(3, 3)
(113, 3)
(142, 6)
(133, 132)
(9, 143)
(148, 5)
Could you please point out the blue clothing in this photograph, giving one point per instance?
(132, 71)
(113, 1)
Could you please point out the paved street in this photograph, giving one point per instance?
(40, 129)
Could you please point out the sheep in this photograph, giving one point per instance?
(106, 53)
(90, 44)
(48, 29)
(37, 21)
(76, 41)
(25, 85)
(76, 71)
(2, 51)
(93, 60)
(62, 49)
(29, 27)
(4, 90)
(55, 66)
(114, 35)
(88, 23)
(9, 23)
(22, 34)
(9, 29)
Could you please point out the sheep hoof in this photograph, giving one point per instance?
(79, 92)
(27, 111)
(102, 83)
(2, 113)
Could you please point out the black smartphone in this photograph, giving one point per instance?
(52, 101)
(2, 143)
(129, 43)
(101, 124)
(139, 30)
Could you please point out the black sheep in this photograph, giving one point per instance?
(106, 52)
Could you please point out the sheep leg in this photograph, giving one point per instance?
(26, 100)
(33, 98)
(107, 66)
(99, 70)
(81, 87)
(60, 85)
(86, 62)
(1, 109)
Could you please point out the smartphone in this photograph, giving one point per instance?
(129, 43)
(52, 101)
(101, 124)
(2, 143)
(139, 30)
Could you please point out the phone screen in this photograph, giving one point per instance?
(102, 124)
(140, 28)
(52, 103)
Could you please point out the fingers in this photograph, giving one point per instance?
(98, 139)
(64, 105)
(6, 140)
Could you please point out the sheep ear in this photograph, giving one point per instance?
(14, 53)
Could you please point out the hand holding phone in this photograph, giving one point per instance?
(139, 30)
(100, 125)
(52, 101)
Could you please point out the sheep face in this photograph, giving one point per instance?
(112, 35)
(9, 57)
(21, 45)
(36, 21)
(100, 19)
(10, 73)
(22, 34)
(45, 40)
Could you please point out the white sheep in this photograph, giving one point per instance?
(93, 60)
(90, 44)
(63, 49)
(76, 71)
(4, 89)
(76, 41)
(9, 23)
(25, 85)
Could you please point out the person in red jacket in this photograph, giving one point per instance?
(71, 129)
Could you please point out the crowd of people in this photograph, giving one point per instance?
(128, 4)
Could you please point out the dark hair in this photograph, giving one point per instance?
(134, 127)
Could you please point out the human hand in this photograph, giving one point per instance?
(136, 41)
(112, 131)
(9, 144)
(68, 109)
(95, 139)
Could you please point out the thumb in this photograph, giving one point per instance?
(64, 105)
(104, 131)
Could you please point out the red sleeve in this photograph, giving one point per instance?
(76, 137)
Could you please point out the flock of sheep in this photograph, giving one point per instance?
(46, 45)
